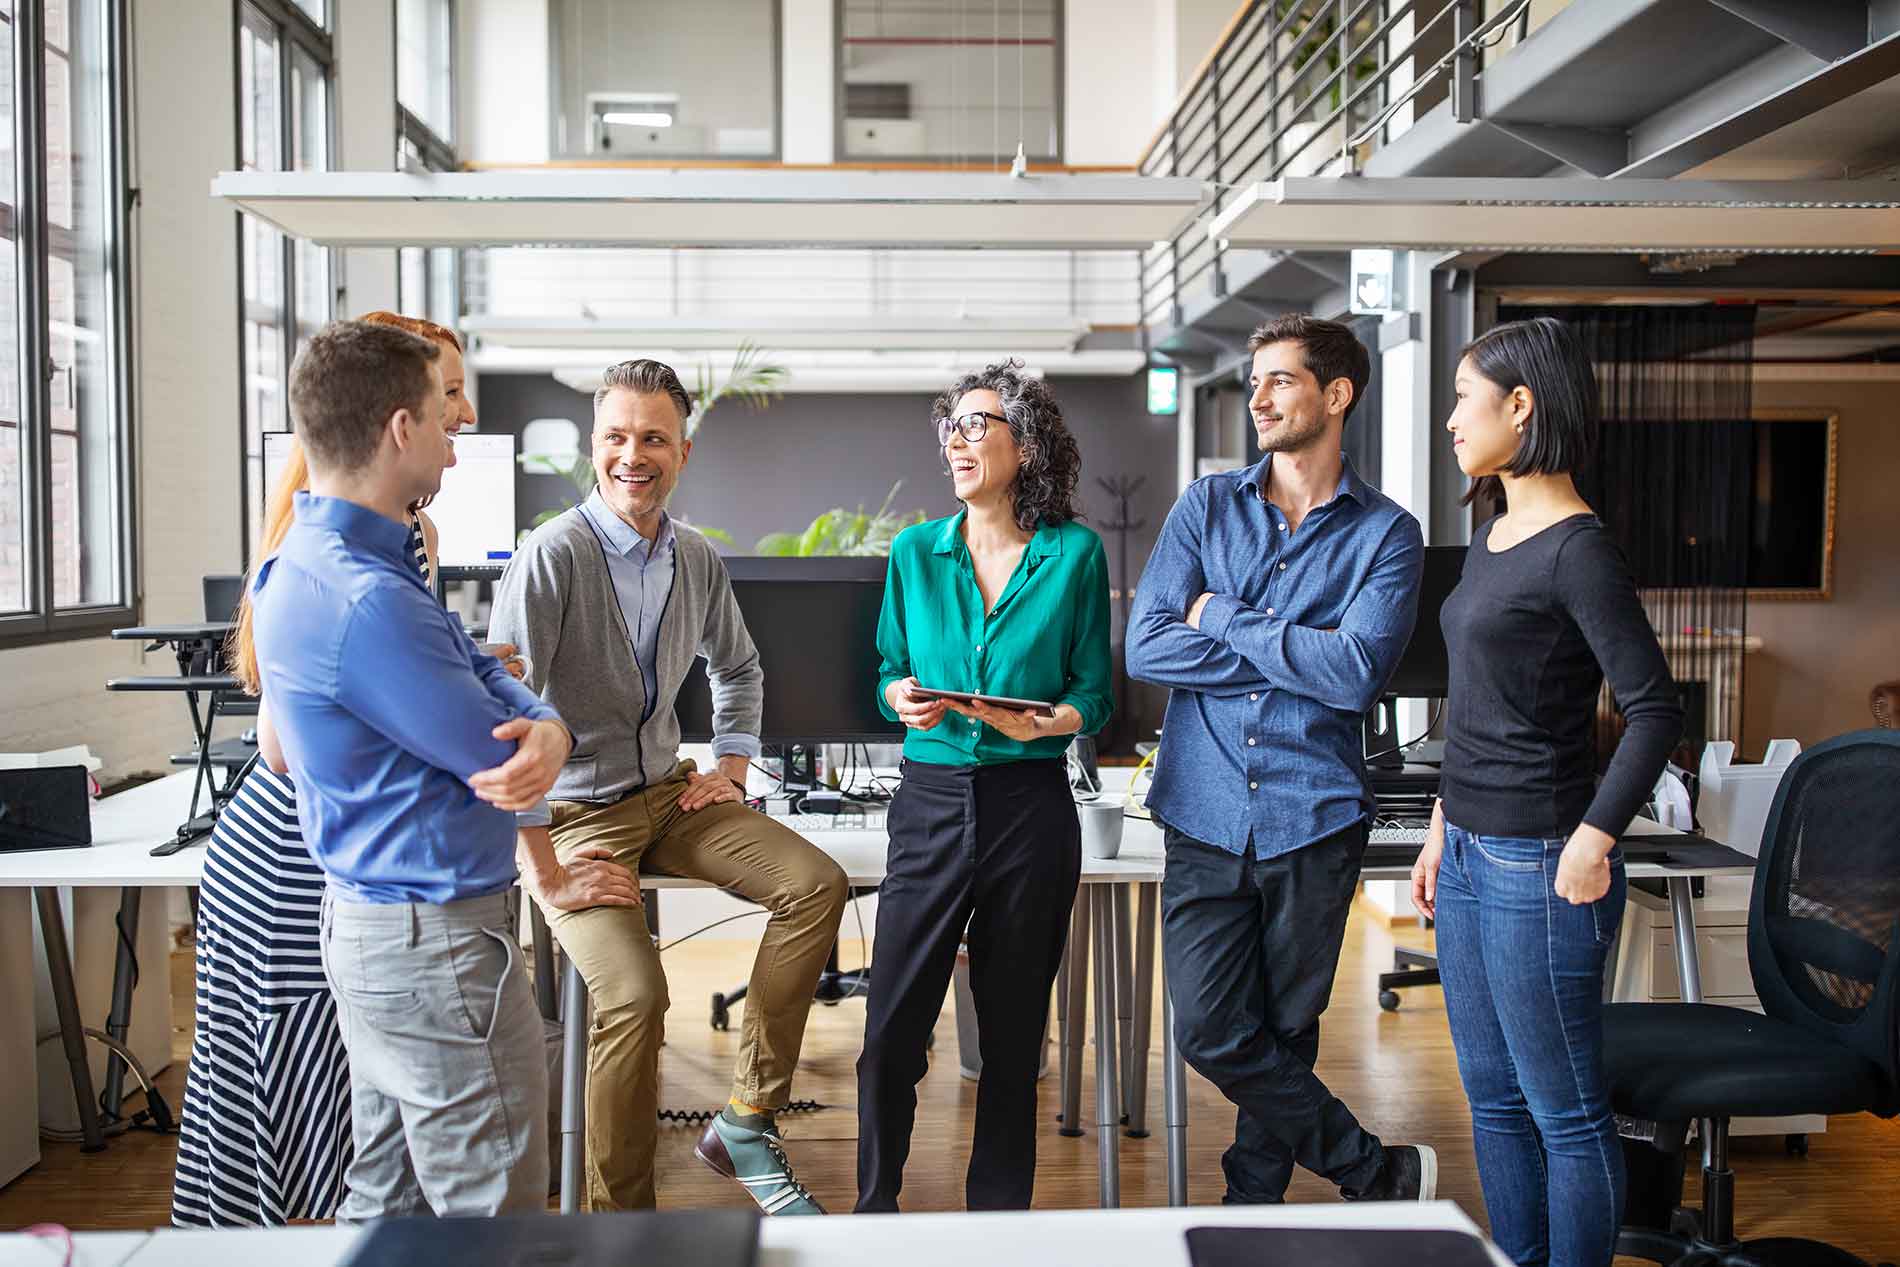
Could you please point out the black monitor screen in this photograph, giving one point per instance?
(1424, 670)
(815, 624)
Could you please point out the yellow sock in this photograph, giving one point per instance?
(743, 1109)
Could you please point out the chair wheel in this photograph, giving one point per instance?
(1389, 1000)
(721, 1018)
(1797, 1145)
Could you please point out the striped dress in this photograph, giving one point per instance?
(265, 1132)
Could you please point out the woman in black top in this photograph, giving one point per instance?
(1521, 868)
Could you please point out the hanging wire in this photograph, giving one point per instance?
(996, 84)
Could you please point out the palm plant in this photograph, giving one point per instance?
(841, 531)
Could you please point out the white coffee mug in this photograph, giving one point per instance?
(1101, 825)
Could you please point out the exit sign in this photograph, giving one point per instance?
(1164, 389)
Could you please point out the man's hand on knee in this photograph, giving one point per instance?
(708, 789)
(587, 878)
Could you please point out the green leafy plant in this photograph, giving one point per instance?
(754, 380)
(841, 531)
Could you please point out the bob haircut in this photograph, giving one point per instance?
(1544, 355)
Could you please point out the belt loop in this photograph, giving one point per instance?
(415, 925)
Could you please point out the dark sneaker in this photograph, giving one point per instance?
(1410, 1174)
(748, 1151)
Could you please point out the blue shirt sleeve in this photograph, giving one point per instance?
(1343, 668)
(407, 672)
(1162, 647)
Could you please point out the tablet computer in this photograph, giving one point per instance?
(1041, 708)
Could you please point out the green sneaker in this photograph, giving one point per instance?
(749, 1151)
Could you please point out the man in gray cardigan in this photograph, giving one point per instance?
(609, 603)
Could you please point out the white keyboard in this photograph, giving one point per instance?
(848, 821)
(1397, 835)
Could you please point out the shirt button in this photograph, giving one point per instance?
(1270, 611)
(1253, 787)
(1250, 743)
(979, 646)
(1256, 694)
(1282, 527)
(1283, 567)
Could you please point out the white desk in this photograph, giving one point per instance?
(1135, 1238)
(126, 826)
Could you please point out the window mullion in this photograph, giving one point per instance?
(30, 175)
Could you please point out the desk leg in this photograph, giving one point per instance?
(1688, 959)
(1124, 997)
(1072, 1017)
(125, 971)
(1107, 1097)
(1174, 1082)
(1135, 1075)
(573, 1089)
(59, 968)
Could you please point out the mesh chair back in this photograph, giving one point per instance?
(1824, 927)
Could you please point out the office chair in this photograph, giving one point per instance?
(1825, 958)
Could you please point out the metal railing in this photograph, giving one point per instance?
(1304, 88)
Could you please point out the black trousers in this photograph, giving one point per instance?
(1251, 948)
(999, 849)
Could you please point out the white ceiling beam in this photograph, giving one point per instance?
(893, 331)
(717, 208)
(1561, 213)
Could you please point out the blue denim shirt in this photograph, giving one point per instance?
(385, 709)
(1263, 743)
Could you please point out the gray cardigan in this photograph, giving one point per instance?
(556, 602)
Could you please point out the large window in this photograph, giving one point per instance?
(425, 76)
(646, 79)
(288, 287)
(949, 81)
(66, 545)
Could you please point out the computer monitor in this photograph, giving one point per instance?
(474, 513)
(815, 624)
(1424, 670)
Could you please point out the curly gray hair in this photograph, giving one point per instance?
(1044, 491)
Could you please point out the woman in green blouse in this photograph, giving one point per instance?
(1009, 597)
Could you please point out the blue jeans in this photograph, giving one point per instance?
(1523, 976)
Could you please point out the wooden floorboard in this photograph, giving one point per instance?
(1395, 1070)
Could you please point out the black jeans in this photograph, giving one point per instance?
(999, 849)
(1251, 948)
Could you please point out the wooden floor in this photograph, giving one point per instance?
(1396, 1070)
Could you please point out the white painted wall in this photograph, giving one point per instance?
(502, 92)
(808, 109)
(186, 436)
(365, 44)
(1118, 78)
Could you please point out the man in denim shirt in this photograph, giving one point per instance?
(1276, 605)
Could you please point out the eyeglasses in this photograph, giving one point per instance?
(974, 427)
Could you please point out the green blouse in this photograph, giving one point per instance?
(1047, 638)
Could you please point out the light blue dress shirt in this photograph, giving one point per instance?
(385, 709)
(1263, 744)
(642, 573)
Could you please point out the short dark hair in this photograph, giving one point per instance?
(1052, 461)
(1331, 351)
(643, 375)
(348, 380)
(1544, 355)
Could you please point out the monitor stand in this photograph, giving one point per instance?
(801, 771)
(1382, 735)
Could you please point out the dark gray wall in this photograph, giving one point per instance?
(777, 469)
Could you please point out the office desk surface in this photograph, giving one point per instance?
(192, 631)
(126, 826)
(1104, 1238)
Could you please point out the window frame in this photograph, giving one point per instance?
(45, 621)
(1059, 36)
(438, 154)
(296, 31)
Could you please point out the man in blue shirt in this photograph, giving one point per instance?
(1276, 604)
(408, 749)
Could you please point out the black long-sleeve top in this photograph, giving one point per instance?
(1532, 633)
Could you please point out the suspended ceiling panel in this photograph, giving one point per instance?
(716, 208)
(1562, 213)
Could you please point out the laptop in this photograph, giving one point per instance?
(45, 807)
(704, 1238)
(1334, 1247)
